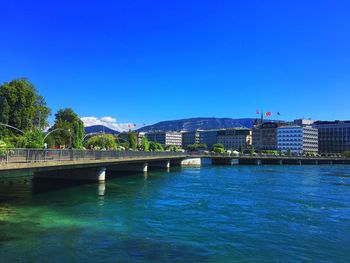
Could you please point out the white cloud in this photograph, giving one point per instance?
(108, 122)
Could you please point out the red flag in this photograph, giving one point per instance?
(268, 113)
(257, 112)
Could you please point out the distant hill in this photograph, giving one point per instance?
(199, 124)
(100, 128)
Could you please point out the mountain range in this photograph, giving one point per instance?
(100, 129)
(199, 124)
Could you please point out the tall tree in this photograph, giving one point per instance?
(4, 115)
(132, 136)
(25, 105)
(71, 129)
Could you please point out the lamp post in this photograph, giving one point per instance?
(60, 129)
(12, 127)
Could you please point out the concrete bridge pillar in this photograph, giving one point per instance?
(299, 162)
(258, 162)
(280, 162)
(191, 162)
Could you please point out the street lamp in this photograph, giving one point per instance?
(60, 129)
(12, 127)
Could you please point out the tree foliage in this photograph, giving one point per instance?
(145, 145)
(21, 106)
(156, 147)
(346, 154)
(101, 142)
(70, 131)
(196, 146)
(132, 137)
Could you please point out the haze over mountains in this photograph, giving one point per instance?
(186, 124)
(200, 124)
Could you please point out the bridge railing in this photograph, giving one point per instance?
(58, 155)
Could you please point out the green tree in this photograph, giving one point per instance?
(218, 148)
(251, 149)
(4, 115)
(103, 141)
(196, 146)
(71, 129)
(24, 104)
(346, 154)
(34, 139)
(156, 146)
(240, 149)
(145, 144)
(132, 137)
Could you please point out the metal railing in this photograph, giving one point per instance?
(58, 155)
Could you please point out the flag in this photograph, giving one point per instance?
(134, 125)
(268, 114)
(278, 113)
(257, 112)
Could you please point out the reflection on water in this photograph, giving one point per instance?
(211, 214)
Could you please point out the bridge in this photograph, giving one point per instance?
(91, 165)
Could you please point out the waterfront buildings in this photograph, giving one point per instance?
(265, 136)
(333, 136)
(190, 137)
(208, 137)
(165, 138)
(234, 138)
(297, 139)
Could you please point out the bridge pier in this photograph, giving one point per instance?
(188, 162)
(79, 174)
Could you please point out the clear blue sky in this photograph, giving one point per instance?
(147, 61)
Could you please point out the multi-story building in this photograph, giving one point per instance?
(297, 139)
(265, 136)
(208, 137)
(189, 137)
(333, 136)
(165, 137)
(234, 138)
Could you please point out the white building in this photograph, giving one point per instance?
(298, 139)
(166, 138)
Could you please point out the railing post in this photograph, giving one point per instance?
(7, 156)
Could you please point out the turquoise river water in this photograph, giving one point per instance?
(210, 214)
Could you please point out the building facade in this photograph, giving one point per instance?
(233, 139)
(208, 137)
(190, 137)
(297, 139)
(265, 136)
(333, 136)
(165, 138)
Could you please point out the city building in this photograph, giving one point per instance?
(297, 139)
(234, 138)
(333, 136)
(265, 135)
(208, 137)
(165, 138)
(190, 137)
